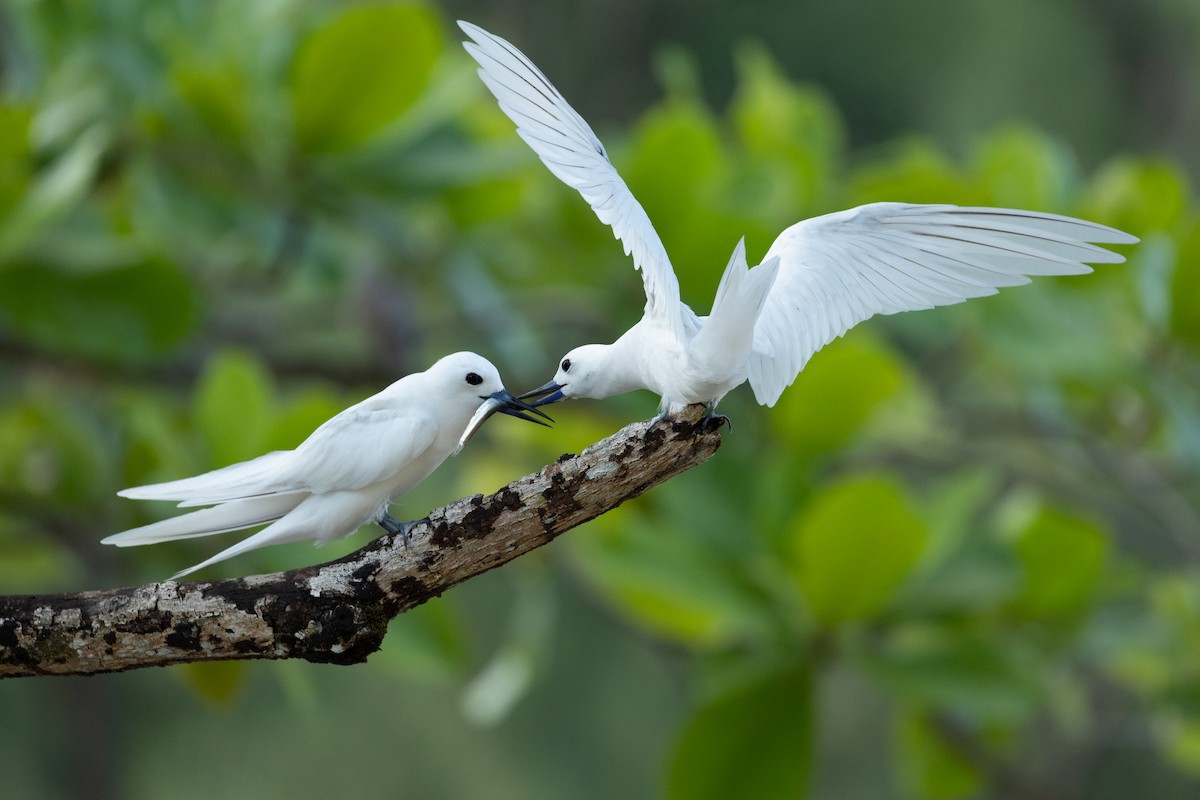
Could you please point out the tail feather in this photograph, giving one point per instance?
(259, 476)
(272, 534)
(740, 297)
(231, 516)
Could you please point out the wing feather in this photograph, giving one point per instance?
(360, 446)
(568, 147)
(840, 269)
(247, 479)
(363, 445)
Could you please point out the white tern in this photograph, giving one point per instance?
(343, 475)
(821, 276)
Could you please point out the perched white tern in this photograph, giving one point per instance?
(821, 276)
(346, 473)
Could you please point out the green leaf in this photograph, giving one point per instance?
(1024, 168)
(957, 670)
(33, 562)
(52, 449)
(216, 681)
(795, 128)
(157, 445)
(14, 136)
(755, 741)
(484, 201)
(928, 765)
(218, 94)
(27, 463)
(676, 166)
(1184, 293)
(302, 415)
(979, 578)
(357, 74)
(837, 394)
(1158, 649)
(127, 314)
(960, 571)
(950, 508)
(14, 155)
(1181, 736)
(676, 148)
(663, 580)
(1063, 557)
(916, 171)
(1139, 196)
(234, 404)
(678, 72)
(853, 547)
(427, 642)
(55, 189)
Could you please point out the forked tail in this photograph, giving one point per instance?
(231, 516)
(729, 329)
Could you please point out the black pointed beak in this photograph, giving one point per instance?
(516, 407)
(505, 403)
(552, 391)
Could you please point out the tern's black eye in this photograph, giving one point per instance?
(566, 365)
(474, 379)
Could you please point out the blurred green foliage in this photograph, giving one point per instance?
(958, 559)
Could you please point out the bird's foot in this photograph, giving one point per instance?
(392, 525)
(654, 422)
(713, 421)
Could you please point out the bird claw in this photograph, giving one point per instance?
(713, 421)
(654, 422)
(392, 525)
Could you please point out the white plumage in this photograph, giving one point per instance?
(343, 475)
(821, 276)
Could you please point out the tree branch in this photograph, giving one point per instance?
(339, 612)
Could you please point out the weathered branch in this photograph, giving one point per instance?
(339, 612)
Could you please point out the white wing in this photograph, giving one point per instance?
(247, 479)
(566, 144)
(840, 269)
(362, 446)
(359, 447)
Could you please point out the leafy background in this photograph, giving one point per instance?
(959, 559)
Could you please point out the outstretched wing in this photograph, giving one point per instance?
(566, 144)
(839, 269)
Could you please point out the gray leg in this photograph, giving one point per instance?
(391, 525)
(661, 416)
(715, 420)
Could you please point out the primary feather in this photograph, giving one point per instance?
(840, 269)
(567, 146)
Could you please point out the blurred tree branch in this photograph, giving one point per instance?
(339, 612)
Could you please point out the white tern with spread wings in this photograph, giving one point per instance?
(821, 276)
(346, 473)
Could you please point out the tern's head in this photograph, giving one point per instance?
(583, 372)
(470, 382)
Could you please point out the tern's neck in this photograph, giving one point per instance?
(616, 369)
(635, 358)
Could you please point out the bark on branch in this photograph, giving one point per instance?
(339, 612)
